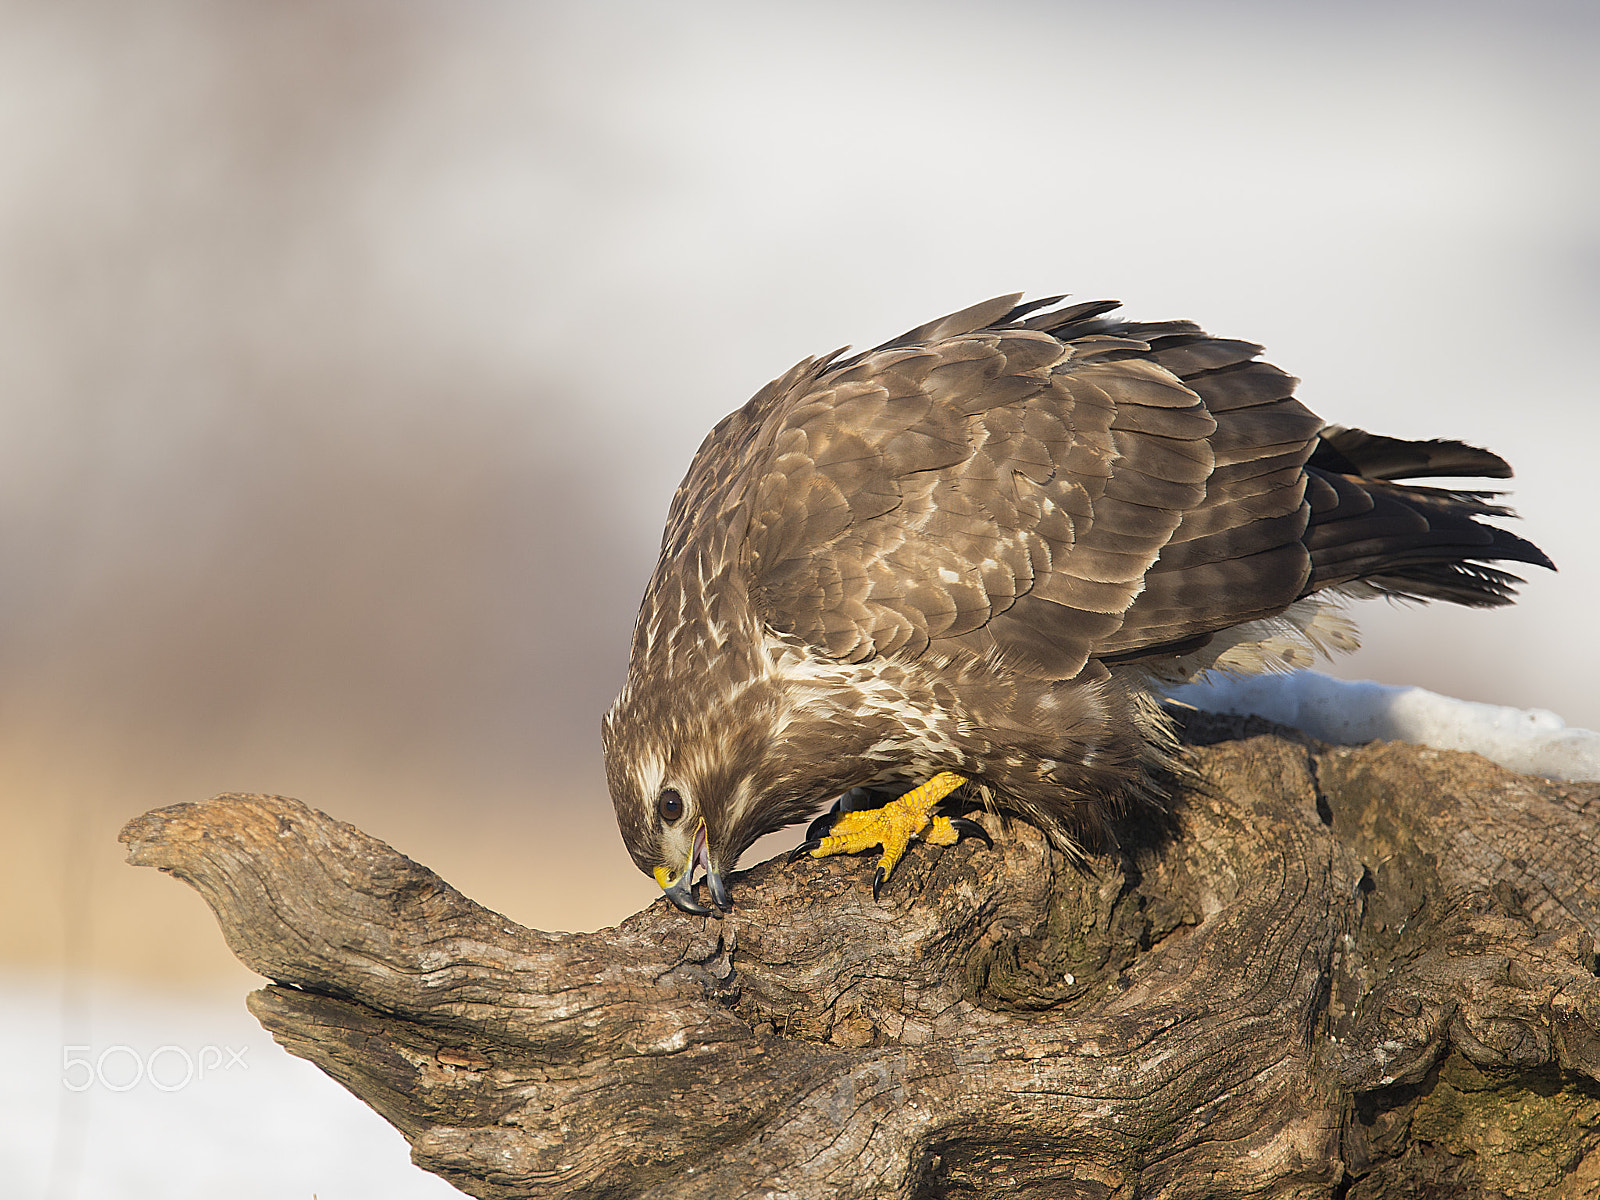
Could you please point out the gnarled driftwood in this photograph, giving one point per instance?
(1339, 972)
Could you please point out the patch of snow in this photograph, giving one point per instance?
(129, 1094)
(1533, 741)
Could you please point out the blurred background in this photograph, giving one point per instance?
(350, 352)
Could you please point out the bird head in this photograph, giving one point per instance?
(693, 793)
(671, 840)
(675, 820)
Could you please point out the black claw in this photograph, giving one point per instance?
(965, 829)
(878, 877)
(821, 827)
(803, 849)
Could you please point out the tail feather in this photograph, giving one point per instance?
(1421, 543)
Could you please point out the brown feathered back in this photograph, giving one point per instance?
(1056, 486)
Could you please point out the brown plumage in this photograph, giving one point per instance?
(978, 547)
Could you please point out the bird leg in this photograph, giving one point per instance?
(856, 799)
(894, 826)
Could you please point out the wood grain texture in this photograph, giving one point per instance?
(1333, 972)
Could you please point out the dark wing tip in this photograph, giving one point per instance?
(1357, 452)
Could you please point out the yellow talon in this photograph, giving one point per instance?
(894, 825)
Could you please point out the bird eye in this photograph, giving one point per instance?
(670, 805)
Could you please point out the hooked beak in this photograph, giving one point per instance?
(681, 890)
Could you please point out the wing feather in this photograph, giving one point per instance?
(1056, 486)
(1018, 488)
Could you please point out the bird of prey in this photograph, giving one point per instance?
(971, 558)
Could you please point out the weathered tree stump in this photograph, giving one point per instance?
(1338, 972)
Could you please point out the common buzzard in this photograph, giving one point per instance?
(972, 557)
